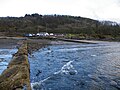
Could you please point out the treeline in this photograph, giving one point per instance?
(58, 24)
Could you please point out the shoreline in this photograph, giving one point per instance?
(35, 44)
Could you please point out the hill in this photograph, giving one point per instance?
(70, 25)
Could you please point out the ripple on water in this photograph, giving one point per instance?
(5, 57)
(77, 67)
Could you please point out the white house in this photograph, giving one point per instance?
(42, 34)
(51, 34)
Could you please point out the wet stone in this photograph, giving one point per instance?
(72, 72)
(80, 83)
(38, 72)
(66, 60)
(37, 87)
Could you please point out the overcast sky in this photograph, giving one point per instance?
(96, 9)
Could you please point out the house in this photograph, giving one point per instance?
(42, 34)
(51, 34)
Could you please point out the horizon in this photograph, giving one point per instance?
(94, 9)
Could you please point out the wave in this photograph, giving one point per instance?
(68, 68)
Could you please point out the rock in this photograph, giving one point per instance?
(39, 71)
(72, 72)
(65, 60)
(48, 48)
(19, 60)
(37, 87)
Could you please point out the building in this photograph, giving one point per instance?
(42, 34)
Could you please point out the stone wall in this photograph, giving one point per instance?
(17, 75)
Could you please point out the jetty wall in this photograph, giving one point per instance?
(17, 74)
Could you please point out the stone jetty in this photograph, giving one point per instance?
(17, 74)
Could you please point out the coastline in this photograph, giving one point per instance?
(36, 43)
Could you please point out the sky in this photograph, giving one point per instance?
(94, 9)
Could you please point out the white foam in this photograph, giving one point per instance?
(38, 85)
(93, 55)
(67, 68)
(5, 57)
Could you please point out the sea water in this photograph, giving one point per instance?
(76, 67)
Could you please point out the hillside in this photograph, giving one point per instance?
(59, 24)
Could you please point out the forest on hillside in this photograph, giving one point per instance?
(65, 24)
